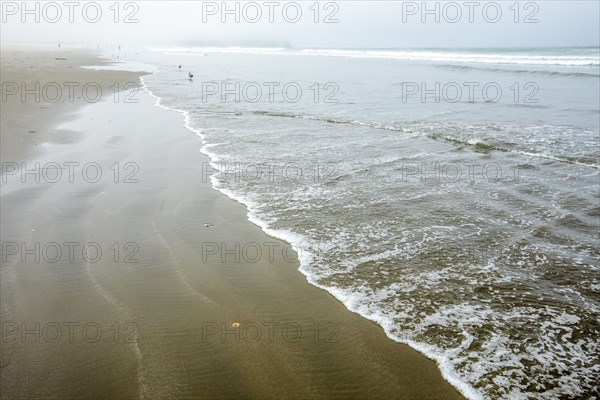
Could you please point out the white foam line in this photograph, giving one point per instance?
(127, 66)
(306, 258)
(555, 158)
(405, 55)
(445, 367)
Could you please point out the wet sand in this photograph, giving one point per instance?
(188, 299)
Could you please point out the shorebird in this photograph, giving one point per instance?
(190, 75)
(179, 66)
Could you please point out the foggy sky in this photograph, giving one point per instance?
(360, 24)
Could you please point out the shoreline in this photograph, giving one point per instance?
(446, 371)
(169, 217)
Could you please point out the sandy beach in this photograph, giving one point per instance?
(170, 291)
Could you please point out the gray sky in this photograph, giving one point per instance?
(360, 24)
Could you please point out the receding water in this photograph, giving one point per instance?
(467, 228)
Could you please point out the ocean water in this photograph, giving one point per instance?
(451, 196)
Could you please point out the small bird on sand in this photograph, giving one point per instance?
(179, 66)
(190, 75)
